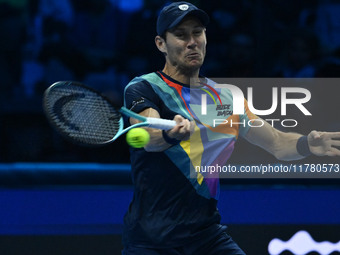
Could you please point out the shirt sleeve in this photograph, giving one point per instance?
(140, 96)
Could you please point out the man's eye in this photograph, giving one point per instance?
(179, 35)
(198, 32)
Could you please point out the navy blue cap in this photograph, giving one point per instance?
(172, 14)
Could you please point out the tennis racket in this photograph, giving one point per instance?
(87, 118)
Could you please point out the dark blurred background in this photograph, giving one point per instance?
(105, 43)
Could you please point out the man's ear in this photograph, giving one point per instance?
(160, 43)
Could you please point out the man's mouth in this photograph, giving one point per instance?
(193, 55)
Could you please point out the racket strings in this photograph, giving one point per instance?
(83, 115)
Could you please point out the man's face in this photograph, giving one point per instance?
(186, 45)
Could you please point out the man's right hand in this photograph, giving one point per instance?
(182, 130)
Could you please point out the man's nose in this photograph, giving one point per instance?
(192, 43)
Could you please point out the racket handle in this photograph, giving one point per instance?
(161, 123)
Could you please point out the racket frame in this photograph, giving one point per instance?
(145, 121)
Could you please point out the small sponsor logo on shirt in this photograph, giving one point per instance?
(137, 102)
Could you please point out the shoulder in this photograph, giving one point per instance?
(140, 94)
(141, 82)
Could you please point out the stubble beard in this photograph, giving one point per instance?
(185, 69)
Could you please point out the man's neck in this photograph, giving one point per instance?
(182, 77)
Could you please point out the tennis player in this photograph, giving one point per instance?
(172, 212)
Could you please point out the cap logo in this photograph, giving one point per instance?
(183, 7)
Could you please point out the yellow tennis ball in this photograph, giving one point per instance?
(137, 137)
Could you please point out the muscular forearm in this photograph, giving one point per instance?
(284, 145)
(281, 145)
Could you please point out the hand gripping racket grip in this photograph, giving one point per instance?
(161, 123)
